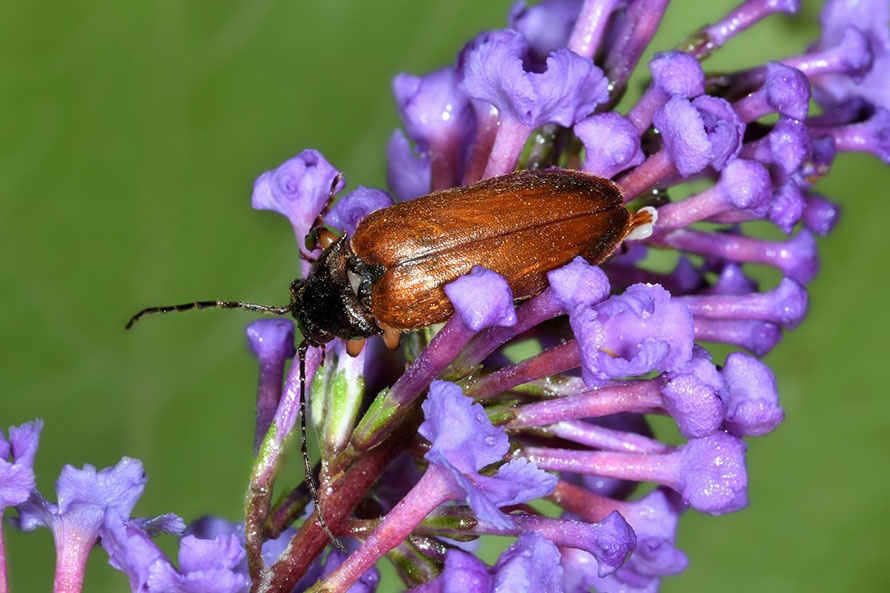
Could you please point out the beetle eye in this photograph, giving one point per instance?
(354, 281)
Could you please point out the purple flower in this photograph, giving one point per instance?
(531, 565)
(205, 565)
(438, 117)
(482, 298)
(870, 18)
(463, 442)
(708, 472)
(611, 143)
(433, 108)
(673, 73)
(785, 91)
(752, 396)
(297, 190)
(694, 396)
(578, 283)
(744, 187)
(354, 206)
(272, 341)
(820, 215)
(696, 134)
(567, 90)
(545, 26)
(407, 173)
(632, 334)
(17, 463)
(86, 499)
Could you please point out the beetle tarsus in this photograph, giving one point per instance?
(391, 336)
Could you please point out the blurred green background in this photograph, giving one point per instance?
(131, 135)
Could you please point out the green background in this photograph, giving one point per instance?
(131, 135)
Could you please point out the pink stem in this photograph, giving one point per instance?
(432, 490)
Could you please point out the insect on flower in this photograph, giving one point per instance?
(389, 277)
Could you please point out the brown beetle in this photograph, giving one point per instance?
(390, 276)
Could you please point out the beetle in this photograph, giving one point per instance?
(390, 276)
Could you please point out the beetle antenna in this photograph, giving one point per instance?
(304, 446)
(267, 309)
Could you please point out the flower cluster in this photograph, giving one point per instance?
(425, 449)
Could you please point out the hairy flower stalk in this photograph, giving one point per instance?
(457, 434)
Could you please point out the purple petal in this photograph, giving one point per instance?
(223, 552)
(788, 90)
(614, 541)
(732, 281)
(787, 207)
(459, 430)
(271, 339)
(611, 144)
(820, 215)
(870, 16)
(483, 299)
(713, 476)
(206, 566)
(530, 565)
(433, 108)
(694, 396)
(115, 489)
(297, 189)
(407, 173)
(23, 441)
(632, 334)
(168, 523)
(685, 139)
(790, 143)
(517, 481)
(578, 283)
(131, 551)
(677, 73)
(463, 440)
(569, 89)
(725, 131)
(654, 521)
(546, 25)
(17, 476)
(753, 396)
(354, 206)
(464, 573)
(746, 186)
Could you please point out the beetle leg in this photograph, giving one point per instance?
(642, 224)
(304, 447)
(316, 235)
(320, 237)
(391, 336)
(354, 347)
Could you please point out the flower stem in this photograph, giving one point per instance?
(345, 492)
(3, 586)
(432, 490)
(71, 559)
(550, 362)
